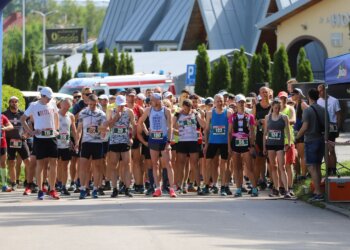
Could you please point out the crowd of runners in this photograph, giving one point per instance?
(154, 143)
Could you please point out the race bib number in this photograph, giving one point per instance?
(122, 130)
(15, 143)
(219, 130)
(47, 133)
(157, 135)
(63, 137)
(241, 142)
(93, 130)
(275, 135)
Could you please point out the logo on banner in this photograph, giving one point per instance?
(342, 71)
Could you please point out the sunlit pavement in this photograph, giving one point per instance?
(187, 222)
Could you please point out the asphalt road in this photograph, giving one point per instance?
(187, 222)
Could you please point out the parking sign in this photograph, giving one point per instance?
(191, 74)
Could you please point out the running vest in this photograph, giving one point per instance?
(218, 127)
(241, 123)
(275, 131)
(158, 129)
(188, 127)
(286, 112)
(63, 139)
(260, 114)
(120, 131)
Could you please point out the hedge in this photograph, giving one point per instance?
(7, 92)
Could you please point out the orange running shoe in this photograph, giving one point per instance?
(157, 193)
(54, 195)
(172, 193)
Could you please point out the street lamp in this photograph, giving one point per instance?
(44, 15)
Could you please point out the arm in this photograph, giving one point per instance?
(25, 125)
(229, 134)
(141, 125)
(133, 123)
(169, 123)
(74, 129)
(207, 128)
(113, 119)
(302, 130)
(57, 122)
(286, 129)
(79, 132)
(292, 118)
(200, 120)
(8, 126)
(265, 133)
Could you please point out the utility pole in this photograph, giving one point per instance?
(23, 27)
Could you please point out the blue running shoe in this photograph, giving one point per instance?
(238, 192)
(255, 192)
(94, 194)
(40, 195)
(82, 194)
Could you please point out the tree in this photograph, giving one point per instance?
(33, 59)
(213, 80)
(49, 77)
(106, 61)
(129, 64)
(223, 75)
(19, 73)
(304, 71)
(7, 77)
(69, 74)
(95, 65)
(7, 92)
(266, 63)
(83, 66)
(64, 74)
(114, 63)
(13, 70)
(280, 70)
(255, 73)
(38, 78)
(27, 71)
(203, 71)
(55, 80)
(122, 64)
(239, 73)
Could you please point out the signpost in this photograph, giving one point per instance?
(62, 36)
(191, 74)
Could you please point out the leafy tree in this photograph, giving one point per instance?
(7, 92)
(20, 79)
(114, 63)
(95, 65)
(203, 71)
(239, 73)
(13, 71)
(49, 81)
(280, 70)
(8, 77)
(69, 74)
(33, 59)
(122, 64)
(83, 66)
(27, 71)
(129, 64)
(255, 73)
(214, 80)
(266, 63)
(244, 57)
(223, 74)
(106, 61)
(38, 78)
(55, 80)
(304, 72)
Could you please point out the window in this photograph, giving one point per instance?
(132, 48)
(166, 47)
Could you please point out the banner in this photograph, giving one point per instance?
(62, 36)
(337, 69)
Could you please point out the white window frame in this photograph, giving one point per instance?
(167, 47)
(132, 48)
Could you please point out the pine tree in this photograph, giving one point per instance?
(7, 73)
(49, 77)
(69, 74)
(304, 72)
(280, 70)
(214, 80)
(83, 66)
(55, 80)
(223, 74)
(38, 78)
(129, 64)
(95, 65)
(27, 71)
(203, 71)
(20, 79)
(266, 63)
(13, 71)
(122, 64)
(33, 59)
(106, 61)
(255, 73)
(244, 57)
(239, 73)
(114, 63)
(64, 74)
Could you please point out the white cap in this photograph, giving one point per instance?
(240, 97)
(103, 97)
(14, 98)
(297, 90)
(141, 96)
(120, 100)
(46, 91)
(167, 94)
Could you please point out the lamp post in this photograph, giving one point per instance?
(44, 15)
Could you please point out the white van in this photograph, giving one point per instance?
(30, 96)
(110, 84)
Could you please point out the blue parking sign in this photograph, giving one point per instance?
(191, 74)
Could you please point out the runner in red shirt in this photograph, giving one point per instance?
(5, 126)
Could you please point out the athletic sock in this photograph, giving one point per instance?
(151, 177)
(165, 177)
(3, 176)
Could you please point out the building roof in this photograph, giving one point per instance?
(285, 12)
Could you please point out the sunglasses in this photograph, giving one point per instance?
(88, 94)
(77, 97)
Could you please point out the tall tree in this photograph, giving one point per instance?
(83, 66)
(114, 63)
(239, 73)
(129, 64)
(38, 78)
(49, 77)
(55, 80)
(122, 64)
(280, 70)
(214, 80)
(203, 71)
(69, 74)
(13, 71)
(266, 63)
(33, 59)
(24, 72)
(255, 73)
(20, 79)
(7, 77)
(64, 74)
(95, 65)
(106, 61)
(304, 71)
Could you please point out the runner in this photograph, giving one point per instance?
(241, 140)
(46, 125)
(121, 122)
(159, 140)
(91, 129)
(216, 138)
(5, 126)
(275, 130)
(16, 143)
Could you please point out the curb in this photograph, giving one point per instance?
(337, 210)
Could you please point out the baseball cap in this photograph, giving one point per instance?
(157, 96)
(120, 100)
(141, 96)
(147, 100)
(13, 98)
(46, 91)
(240, 97)
(167, 94)
(223, 92)
(298, 91)
(209, 100)
(111, 96)
(103, 97)
(131, 92)
(120, 90)
(282, 94)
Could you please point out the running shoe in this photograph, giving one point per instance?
(27, 191)
(40, 195)
(35, 188)
(14, 186)
(255, 192)
(274, 193)
(184, 190)
(206, 190)
(6, 189)
(157, 193)
(77, 190)
(82, 194)
(54, 195)
(44, 189)
(88, 192)
(287, 195)
(191, 188)
(282, 190)
(94, 194)
(172, 193)
(316, 198)
(122, 189)
(223, 191)
(100, 191)
(149, 191)
(128, 193)
(200, 191)
(291, 192)
(228, 191)
(262, 184)
(64, 191)
(215, 190)
(72, 187)
(107, 186)
(114, 193)
(244, 190)
(238, 192)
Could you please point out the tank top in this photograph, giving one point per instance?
(260, 114)
(275, 131)
(158, 129)
(218, 127)
(187, 127)
(120, 131)
(286, 112)
(63, 139)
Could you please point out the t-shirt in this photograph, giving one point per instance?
(91, 121)
(14, 118)
(333, 107)
(44, 118)
(4, 122)
(309, 116)
(79, 106)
